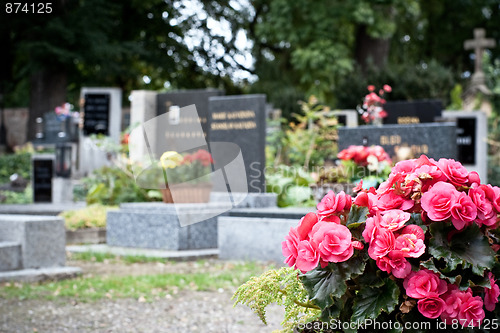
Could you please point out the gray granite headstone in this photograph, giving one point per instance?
(242, 120)
(472, 134)
(436, 140)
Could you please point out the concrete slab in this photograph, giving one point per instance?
(42, 274)
(183, 255)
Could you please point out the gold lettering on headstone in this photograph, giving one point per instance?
(390, 140)
(226, 126)
(219, 115)
(234, 125)
(408, 120)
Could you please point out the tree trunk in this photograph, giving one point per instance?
(369, 50)
(48, 90)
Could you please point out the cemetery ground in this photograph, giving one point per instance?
(136, 294)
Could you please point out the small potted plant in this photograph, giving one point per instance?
(187, 175)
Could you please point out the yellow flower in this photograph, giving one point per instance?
(170, 159)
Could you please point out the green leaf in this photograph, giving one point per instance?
(357, 216)
(429, 264)
(370, 302)
(468, 248)
(326, 284)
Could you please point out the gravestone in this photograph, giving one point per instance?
(102, 108)
(96, 113)
(43, 172)
(436, 140)
(198, 97)
(472, 133)
(347, 118)
(242, 120)
(412, 112)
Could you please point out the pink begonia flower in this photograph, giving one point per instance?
(383, 264)
(400, 267)
(410, 245)
(331, 219)
(358, 187)
(333, 241)
(394, 219)
(366, 199)
(371, 87)
(463, 211)
(307, 257)
(370, 224)
(454, 171)
(306, 224)
(439, 200)
(413, 229)
(404, 167)
(491, 294)
(381, 243)
(473, 178)
(332, 204)
(485, 213)
(453, 300)
(431, 307)
(471, 311)
(493, 194)
(387, 88)
(290, 246)
(423, 284)
(390, 200)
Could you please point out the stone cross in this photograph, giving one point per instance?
(478, 44)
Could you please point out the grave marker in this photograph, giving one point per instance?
(43, 172)
(347, 118)
(472, 133)
(198, 97)
(414, 112)
(436, 140)
(242, 120)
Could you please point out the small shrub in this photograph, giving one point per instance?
(93, 216)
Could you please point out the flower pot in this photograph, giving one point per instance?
(187, 193)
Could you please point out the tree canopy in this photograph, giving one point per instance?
(285, 49)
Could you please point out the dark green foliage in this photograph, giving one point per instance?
(19, 163)
(112, 186)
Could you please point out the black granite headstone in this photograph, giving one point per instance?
(412, 112)
(43, 170)
(436, 140)
(242, 120)
(198, 97)
(96, 114)
(466, 140)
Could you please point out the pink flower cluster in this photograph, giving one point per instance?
(373, 104)
(391, 242)
(359, 154)
(321, 237)
(437, 298)
(440, 191)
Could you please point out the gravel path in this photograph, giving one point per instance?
(187, 311)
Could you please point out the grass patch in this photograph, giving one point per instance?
(92, 256)
(147, 287)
